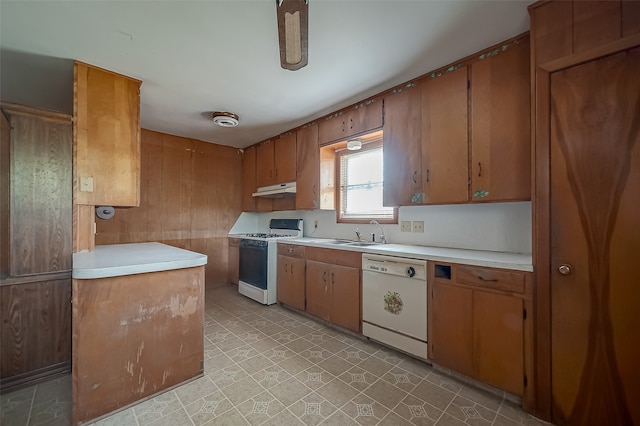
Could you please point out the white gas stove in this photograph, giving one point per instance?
(259, 259)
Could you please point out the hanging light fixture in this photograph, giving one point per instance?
(293, 29)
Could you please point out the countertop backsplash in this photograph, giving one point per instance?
(504, 227)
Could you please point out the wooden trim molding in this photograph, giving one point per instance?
(34, 377)
(17, 109)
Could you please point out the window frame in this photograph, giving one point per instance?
(369, 142)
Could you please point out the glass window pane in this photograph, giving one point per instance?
(362, 185)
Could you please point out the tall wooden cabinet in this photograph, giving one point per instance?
(586, 63)
(35, 245)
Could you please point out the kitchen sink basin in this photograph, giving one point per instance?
(361, 244)
(351, 243)
(339, 242)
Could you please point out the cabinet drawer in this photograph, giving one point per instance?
(496, 279)
(335, 257)
(234, 242)
(291, 250)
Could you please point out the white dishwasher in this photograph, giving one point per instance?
(394, 302)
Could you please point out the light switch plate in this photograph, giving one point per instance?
(405, 226)
(418, 226)
(86, 183)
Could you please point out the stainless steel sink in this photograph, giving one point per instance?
(339, 242)
(351, 243)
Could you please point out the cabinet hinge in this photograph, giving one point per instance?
(525, 381)
(524, 313)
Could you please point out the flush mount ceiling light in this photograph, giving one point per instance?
(225, 119)
(293, 25)
(354, 144)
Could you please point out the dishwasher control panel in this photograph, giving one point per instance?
(397, 266)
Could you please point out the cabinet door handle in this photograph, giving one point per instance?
(333, 278)
(291, 270)
(276, 172)
(427, 175)
(481, 278)
(314, 189)
(285, 267)
(324, 276)
(479, 169)
(415, 175)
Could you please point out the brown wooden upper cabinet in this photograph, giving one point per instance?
(500, 126)
(445, 141)
(343, 124)
(402, 139)
(428, 155)
(308, 168)
(276, 161)
(106, 131)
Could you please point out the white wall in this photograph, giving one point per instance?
(494, 227)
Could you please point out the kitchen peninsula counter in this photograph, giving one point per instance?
(138, 322)
(129, 259)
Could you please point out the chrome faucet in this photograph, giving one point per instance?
(383, 239)
(358, 234)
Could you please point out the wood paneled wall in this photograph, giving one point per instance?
(190, 198)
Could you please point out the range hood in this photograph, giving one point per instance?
(277, 191)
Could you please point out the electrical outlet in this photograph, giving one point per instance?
(315, 225)
(405, 226)
(418, 226)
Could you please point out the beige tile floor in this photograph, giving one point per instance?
(270, 366)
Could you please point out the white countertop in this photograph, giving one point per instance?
(128, 259)
(493, 259)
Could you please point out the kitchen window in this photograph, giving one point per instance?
(360, 183)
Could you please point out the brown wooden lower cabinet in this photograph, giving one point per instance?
(333, 290)
(478, 323)
(291, 275)
(450, 340)
(135, 336)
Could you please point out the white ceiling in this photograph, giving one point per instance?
(195, 57)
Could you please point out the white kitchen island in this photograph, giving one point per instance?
(138, 318)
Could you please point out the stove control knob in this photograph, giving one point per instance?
(411, 272)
